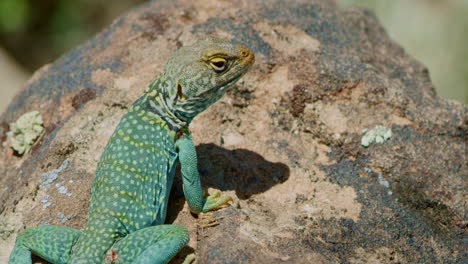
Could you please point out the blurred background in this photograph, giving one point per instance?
(36, 32)
(433, 31)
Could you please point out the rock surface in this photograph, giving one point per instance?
(285, 142)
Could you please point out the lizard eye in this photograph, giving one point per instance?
(218, 64)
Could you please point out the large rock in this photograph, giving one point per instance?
(285, 142)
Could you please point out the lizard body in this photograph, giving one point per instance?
(132, 182)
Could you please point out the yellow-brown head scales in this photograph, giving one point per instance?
(198, 75)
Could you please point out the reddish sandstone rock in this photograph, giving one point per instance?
(285, 142)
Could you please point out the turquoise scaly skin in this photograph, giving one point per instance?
(134, 176)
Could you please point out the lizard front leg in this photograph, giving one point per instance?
(191, 179)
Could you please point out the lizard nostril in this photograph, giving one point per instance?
(244, 53)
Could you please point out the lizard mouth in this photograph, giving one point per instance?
(224, 86)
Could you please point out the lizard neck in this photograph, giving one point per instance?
(159, 100)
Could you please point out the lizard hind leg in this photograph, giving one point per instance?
(52, 243)
(150, 245)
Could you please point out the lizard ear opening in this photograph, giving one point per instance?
(179, 91)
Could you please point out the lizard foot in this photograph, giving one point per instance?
(215, 201)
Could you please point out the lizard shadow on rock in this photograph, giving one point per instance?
(241, 170)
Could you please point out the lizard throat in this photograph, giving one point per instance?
(162, 108)
(159, 103)
(162, 100)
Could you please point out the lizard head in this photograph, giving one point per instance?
(196, 76)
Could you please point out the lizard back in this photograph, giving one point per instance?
(132, 181)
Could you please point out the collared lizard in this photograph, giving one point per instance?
(134, 175)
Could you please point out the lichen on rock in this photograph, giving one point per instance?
(379, 134)
(25, 131)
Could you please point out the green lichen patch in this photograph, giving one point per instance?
(25, 131)
(377, 135)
